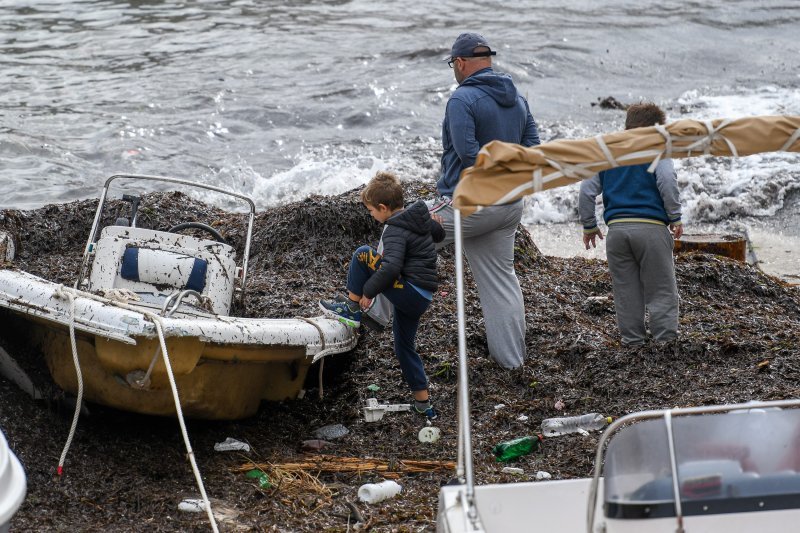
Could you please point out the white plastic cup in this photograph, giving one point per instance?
(377, 492)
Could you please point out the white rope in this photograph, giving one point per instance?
(189, 452)
(63, 294)
(667, 152)
(606, 152)
(321, 354)
(537, 180)
(71, 293)
(568, 170)
(121, 295)
(791, 141)
(707, 140)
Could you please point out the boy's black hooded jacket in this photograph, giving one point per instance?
(408, 251)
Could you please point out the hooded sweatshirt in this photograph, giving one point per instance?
(407, 251)
(485, 107)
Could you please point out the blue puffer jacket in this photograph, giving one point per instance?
(485, 107)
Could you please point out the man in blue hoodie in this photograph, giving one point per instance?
(486, 107)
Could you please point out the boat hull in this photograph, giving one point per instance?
(223, 366)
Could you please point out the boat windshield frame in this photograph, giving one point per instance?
(87, 251)
(667, 415)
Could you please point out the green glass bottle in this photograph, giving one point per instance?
(511, 449)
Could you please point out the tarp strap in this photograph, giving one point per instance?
(537, 180)
(667, 152)
(606, 152)
(705, 142)
(791, 141)
(568, 170)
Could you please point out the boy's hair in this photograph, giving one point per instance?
(384, 189)
(644, 114)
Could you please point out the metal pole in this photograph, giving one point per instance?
(463, 376)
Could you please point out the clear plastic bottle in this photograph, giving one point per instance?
(511, 449)
(553, 427)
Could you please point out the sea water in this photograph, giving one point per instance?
(281, 100)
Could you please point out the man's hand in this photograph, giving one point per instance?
(365, 302)
(677, 230)
(591, 238)
(437, 218)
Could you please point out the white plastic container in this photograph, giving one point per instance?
(12, 484)
(377, 492)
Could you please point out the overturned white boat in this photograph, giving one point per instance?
(145, 298)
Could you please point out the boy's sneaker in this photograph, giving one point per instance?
(366, 320)
(425, 408)
(343, 311)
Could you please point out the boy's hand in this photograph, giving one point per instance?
(438, 219)
(365, 302)
(677, 230)
(590, 238)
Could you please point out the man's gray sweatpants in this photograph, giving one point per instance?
(643, 275)
(489, 247)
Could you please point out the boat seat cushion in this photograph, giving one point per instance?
(162, 267)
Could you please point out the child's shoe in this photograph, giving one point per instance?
(347, 312)
(366, 320)
(426, 408)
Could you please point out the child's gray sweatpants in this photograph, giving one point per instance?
(643, 275)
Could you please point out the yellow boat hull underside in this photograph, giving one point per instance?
(213, 381)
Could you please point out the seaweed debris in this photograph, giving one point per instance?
(739, 341)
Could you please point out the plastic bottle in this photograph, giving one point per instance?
(553, 427)
(511, 449)
(377, 492)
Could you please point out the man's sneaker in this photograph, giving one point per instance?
(342, 311)
(425, 408)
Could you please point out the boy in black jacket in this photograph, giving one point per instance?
(403, 269)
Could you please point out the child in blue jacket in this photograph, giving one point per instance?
(640, 209)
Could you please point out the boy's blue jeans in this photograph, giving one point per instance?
(409, 305)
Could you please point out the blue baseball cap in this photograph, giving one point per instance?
(465, 46)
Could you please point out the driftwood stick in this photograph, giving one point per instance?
(332, 463)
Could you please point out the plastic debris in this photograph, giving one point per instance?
(231, 445)
(553, 427)
(301, 394)
(331, 432)
(508, 450)
(522, 418)
(374, 411)
(377, 492)
(192, 505)
(316, 444)
(541, 474)
(261, 477)
(373, 388)
(429, 434)
(559, 405)
(512, 470)
(499, 406)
